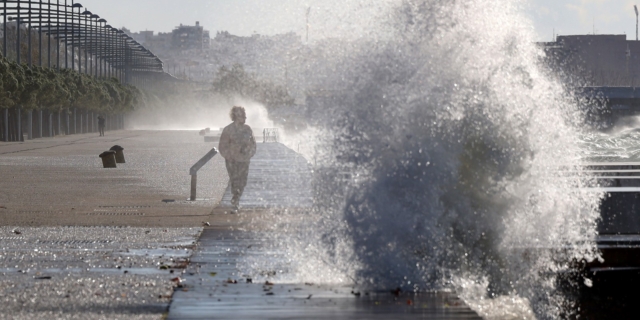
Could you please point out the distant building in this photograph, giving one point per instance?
(190, 37)
(180, 39)
(596, 60)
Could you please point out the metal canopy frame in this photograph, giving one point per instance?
(106, 50)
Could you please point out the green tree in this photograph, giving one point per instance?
(10, 84)
(236, 81)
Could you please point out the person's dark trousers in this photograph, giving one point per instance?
(102, 131)
(238, 172)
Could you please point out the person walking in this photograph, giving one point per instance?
(101, 123)
(237, 146)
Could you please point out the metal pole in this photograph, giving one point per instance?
(6, 124)
(66, 41)
(49, 36)
(4, 26)
(194, 185)
(18, 44)
(58, 39)
(40, 36)
(40, 124)
(99, 51)
(635, 8)
(96, 40)
(86, 56)
(73, 45)
(20, 136)
(79, 45)
(29, 35)
(30, 125)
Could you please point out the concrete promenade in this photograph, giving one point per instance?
(83, 242)
(60, 181)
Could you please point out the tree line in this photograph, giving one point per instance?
(41, 88)
(236, 81)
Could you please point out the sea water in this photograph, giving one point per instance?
(439, 139)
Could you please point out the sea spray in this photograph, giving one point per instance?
(438, 164)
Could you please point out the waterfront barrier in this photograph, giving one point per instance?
(194, 171)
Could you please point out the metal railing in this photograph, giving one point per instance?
(270, 135)
(194, 171)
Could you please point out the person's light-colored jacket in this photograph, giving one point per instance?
(237, 143)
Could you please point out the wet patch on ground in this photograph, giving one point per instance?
(214, 285)
(91, 272)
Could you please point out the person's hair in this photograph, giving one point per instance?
(234, 111)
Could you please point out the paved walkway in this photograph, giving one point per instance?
(60, 181)
(50, 184)
(83, 242)
(278, 178)
(215, 287)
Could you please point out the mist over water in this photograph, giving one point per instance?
(440, 135)
(184, 113)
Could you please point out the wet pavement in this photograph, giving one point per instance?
(217, 284)
(91, 272)
(82, 242)
(215, 287)
(278, 178)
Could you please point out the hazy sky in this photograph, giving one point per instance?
(244, 17)
(583, 16)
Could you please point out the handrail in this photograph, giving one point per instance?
(194, 171)
(270, 135)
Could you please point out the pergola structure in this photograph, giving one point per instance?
(70, 37)
(96, 47)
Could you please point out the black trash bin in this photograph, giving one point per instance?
(108, 159)
(119, 153)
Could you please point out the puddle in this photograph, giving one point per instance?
(160, 252)
(109, 271)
